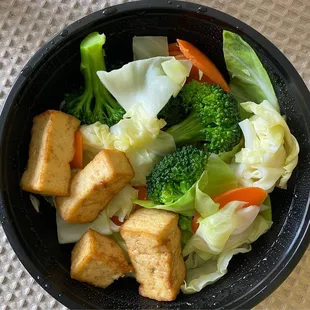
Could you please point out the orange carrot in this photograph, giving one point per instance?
(116, 221)
(195, 223)
(77, 161)
(202, 62)
(194, 74)
(254, 196)
(173, 47)
(176, 54)
(141, 192)
(141, 195)
(180, 57)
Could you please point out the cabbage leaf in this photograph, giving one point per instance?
(270, 153)
(146, 83)
(149, 46)
(121, 206)
(142, 141)
(217, 239)
(249, 79)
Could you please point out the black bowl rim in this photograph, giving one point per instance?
(298, 247)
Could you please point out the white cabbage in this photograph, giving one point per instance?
(121, 206)
(144, 82)
(217, 240)
(149, 46)
(271, 151)
(136, 135)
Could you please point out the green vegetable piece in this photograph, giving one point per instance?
(213, 119)
(185, 223)
(95, 103)
(216, 179)
(173, 176)
(249, 79)
(175, 111)
(267, 213)
(227, 157)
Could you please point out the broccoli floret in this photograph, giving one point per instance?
(175, 111)
(95, 103)
(175, 174)
(213, 119)
(185, 223)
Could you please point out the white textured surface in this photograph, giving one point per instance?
(27, 24)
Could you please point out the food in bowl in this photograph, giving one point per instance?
(171, 162)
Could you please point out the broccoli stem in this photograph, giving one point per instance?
(189, 130)
(92, 59)
(96, 103)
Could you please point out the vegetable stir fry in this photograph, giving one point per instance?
(163, 166)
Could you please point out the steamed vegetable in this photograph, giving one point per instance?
(175, 174)
(77, 161)
(271, 151)
(229, 231)
(213, 119)
(185, 223)
(203, 63)
(216, 178)
(35, 202)
(70, 233)
(175, 111)
(95, 103)
(149, 46)
(120, 206)
(215, 229)
(251, 195)
(149, 83)
(136, 129)
(139, 137)
(249, 79)
(144, 159)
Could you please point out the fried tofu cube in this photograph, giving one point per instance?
(153, 240)
(94, 187)
(98, 260)
(50, 152)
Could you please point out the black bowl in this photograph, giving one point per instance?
(54, 69)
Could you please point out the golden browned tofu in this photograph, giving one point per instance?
(153, 239)
(98, 260)
(50, 152)
(93, 188)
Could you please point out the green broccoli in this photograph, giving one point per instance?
(175, 174)
(175, 111)
(213, 119)
(185, 224)
(95, 103)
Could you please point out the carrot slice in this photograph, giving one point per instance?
(77, 161)
(254, 196)
(141, 195)
(202, 62)
(173, 47)
(176, 53)
(141, 192)
(195, 223)
(194, 74)
(116, 221)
